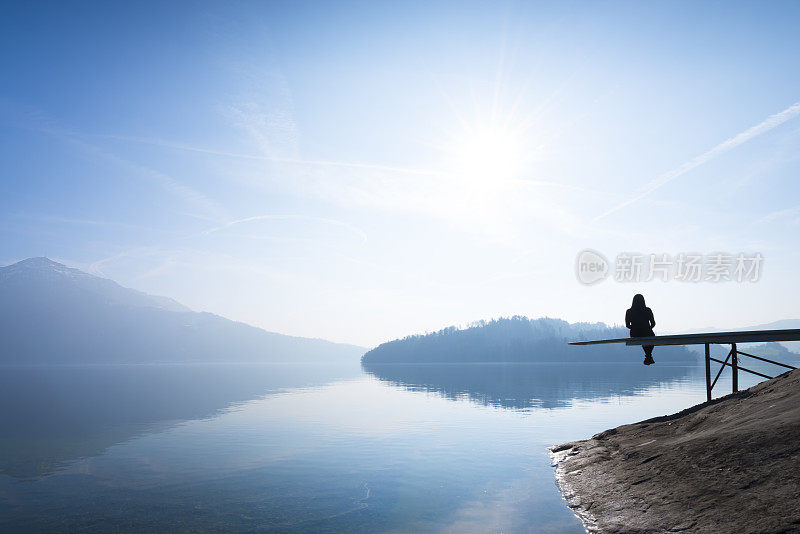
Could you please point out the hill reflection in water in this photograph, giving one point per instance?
(521, 386)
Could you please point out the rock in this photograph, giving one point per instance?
(731, 465)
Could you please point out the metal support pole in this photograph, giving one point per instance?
(708, 373)
(734, 367)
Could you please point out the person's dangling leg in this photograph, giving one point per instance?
(648, 355)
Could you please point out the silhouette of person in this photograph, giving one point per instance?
(639, 319)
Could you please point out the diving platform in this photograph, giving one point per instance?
(715, 338)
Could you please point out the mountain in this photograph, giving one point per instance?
(50, 313)
(45, 278)
(515, 339)
(783, 324)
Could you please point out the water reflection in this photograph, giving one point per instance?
(290, 448)
(52, 415)
(521, 386)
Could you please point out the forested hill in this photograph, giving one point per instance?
(516, 339)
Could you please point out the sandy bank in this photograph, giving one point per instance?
(731, 465)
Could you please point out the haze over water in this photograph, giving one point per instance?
(309, 447)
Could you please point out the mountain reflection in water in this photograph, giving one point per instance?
(55, 414)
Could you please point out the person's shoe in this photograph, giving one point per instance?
(648, 360)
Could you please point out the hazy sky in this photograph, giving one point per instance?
(363, 171)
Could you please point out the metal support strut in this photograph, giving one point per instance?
(714, 338)
(708, 372)
(733, 356)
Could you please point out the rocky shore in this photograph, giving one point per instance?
(731, 465)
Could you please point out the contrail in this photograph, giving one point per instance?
(771, 122)
(296, 161)
(333, 222)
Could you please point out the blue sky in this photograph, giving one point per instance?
(362, 171)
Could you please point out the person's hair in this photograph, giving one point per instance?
(638, 301)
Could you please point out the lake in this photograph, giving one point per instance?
(317, 448)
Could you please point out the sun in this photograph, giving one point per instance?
(485, 158)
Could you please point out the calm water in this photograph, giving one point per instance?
(309, 448)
